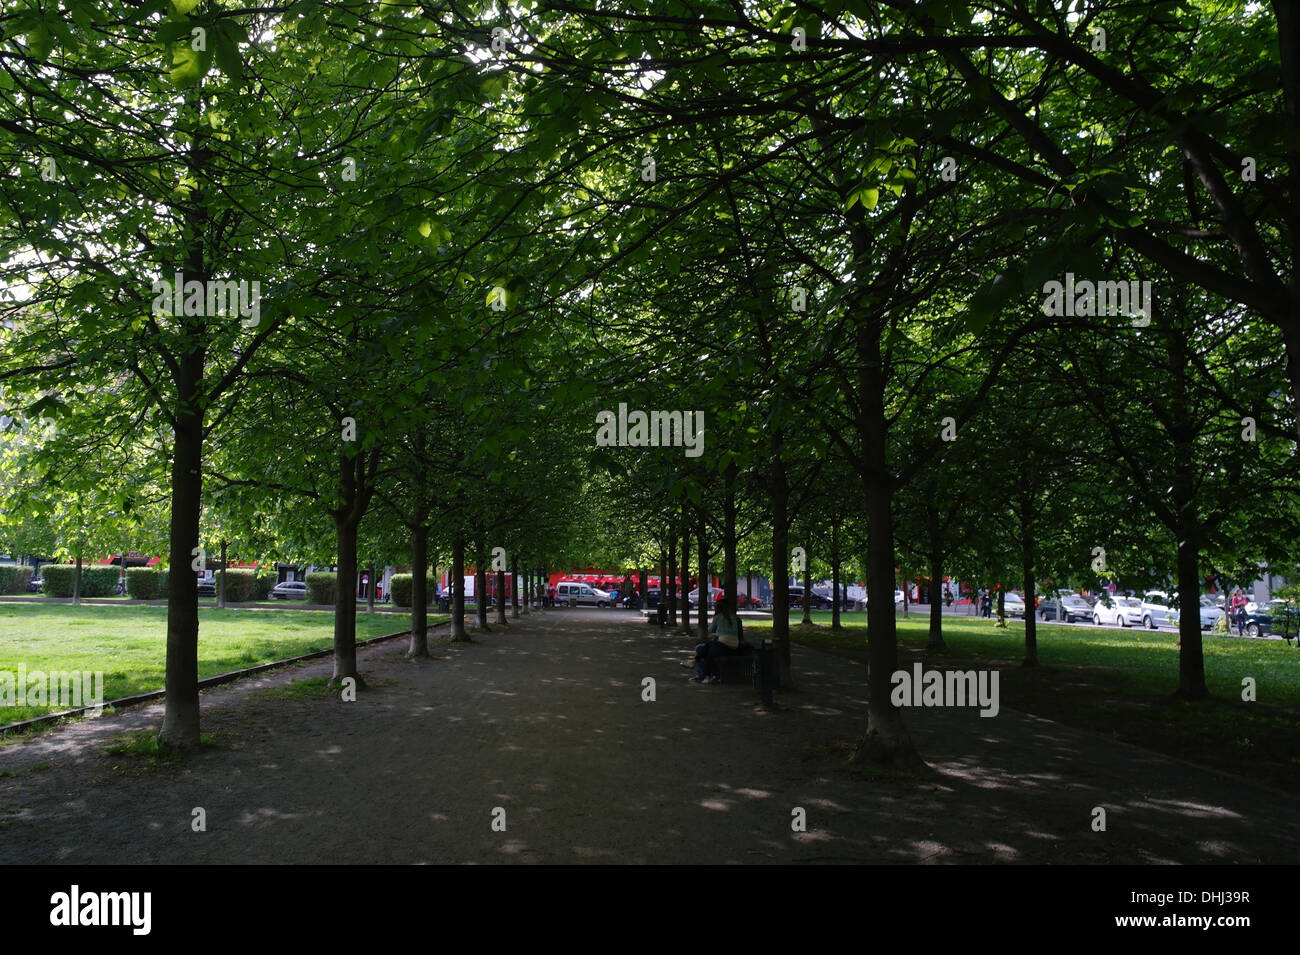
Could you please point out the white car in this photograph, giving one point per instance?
(860, 603)
(1211, 612)
(1124, 611)
(573, 593)
(289, 590)
(1012, 604)
(1157, 610)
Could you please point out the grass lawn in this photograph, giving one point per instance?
(1117, 682)
(129, 643)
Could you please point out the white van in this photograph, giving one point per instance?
(571, 593)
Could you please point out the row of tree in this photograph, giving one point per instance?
(835, 232)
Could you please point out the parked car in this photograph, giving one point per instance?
(650, 603)
(861, 603)
(1073, 607)
(289, 590)
(824, 591)
(1159, 610)
(573, 594)
(1125, 611)
(816, 601)
(1013, 605)
(715, 594)
(1211, 612)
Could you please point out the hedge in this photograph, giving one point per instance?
(146, 583)
(14, 579)
(321, 588)
(400, 589)
(96, 580)
(243, 585)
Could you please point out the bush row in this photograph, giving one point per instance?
(96, 580)
(321, 588)
(146, 583)
(401, 585)
(243, 586)
(14, 579)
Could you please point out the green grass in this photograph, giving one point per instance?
(1118, 682)
(129, 643)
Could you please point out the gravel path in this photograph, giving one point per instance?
(545, 720)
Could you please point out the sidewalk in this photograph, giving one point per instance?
(545, 720)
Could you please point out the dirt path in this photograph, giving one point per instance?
(545, 720)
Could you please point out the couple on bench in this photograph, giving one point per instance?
(728, 640)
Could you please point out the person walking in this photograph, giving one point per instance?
(1239, 611)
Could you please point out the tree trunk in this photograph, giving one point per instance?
(706, 587)
(686, 568)
(76, 584)
(729, 536)
(1031, 621)
(221, 599)
(886, 740)
(501, 596)
(779, 492)
(1191, 655)
(419, 591)
(480, 590)
(936, 604)
(180, 726)
(835, 576)
(515, 582)
(807, 592)
(371, 582)
(1187, 529)
(345, 607)
(458, 588)
(667, 586)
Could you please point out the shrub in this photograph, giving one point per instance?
(400, 587)
(321, 588)
(146, 583)
(96, 580)
(241, 584)
(14, 579)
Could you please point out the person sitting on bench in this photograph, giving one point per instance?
(728, 639)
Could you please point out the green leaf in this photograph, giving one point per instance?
(189, 66)
(184, 6)
(227, 56)
(39, 42)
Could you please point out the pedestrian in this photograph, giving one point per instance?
(986, 604)
(1239, 611)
